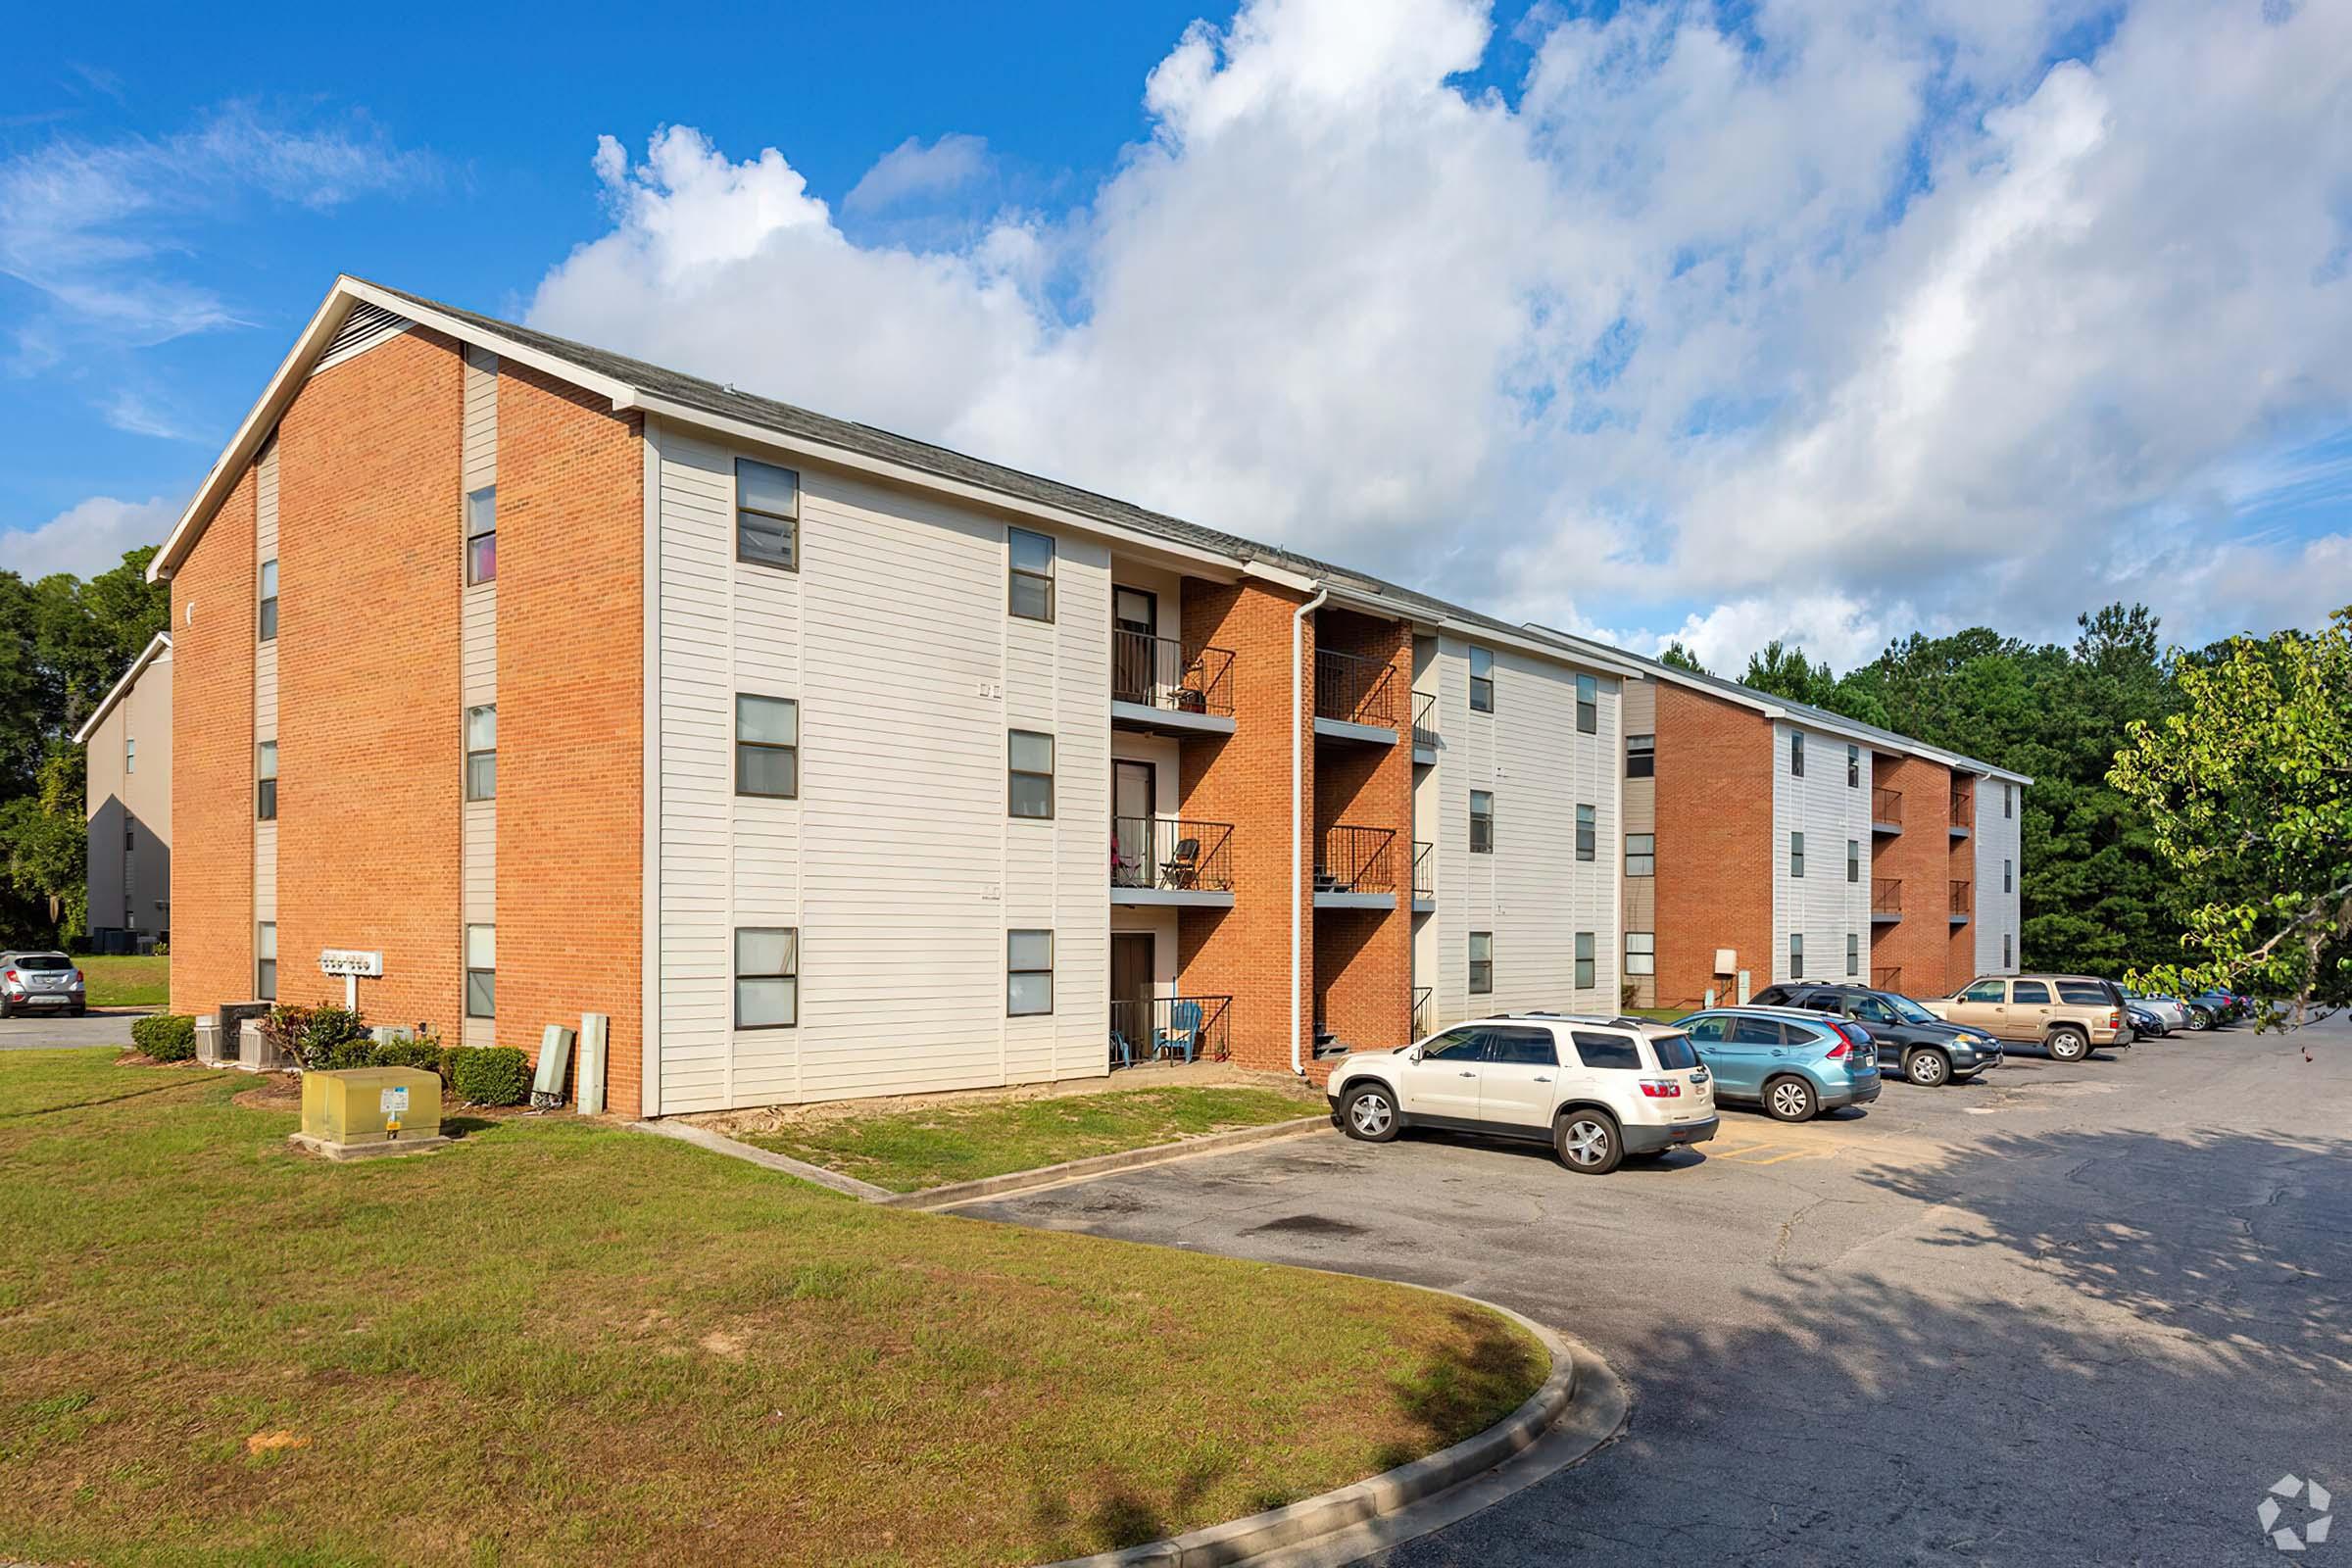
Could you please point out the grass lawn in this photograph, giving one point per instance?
(557, 1342)
(906, 1151)
(127, 980)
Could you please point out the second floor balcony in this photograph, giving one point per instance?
(1964, 902)
(1357, 698)
(1171, 860)
(1425, 877)
(1424, 728)
(1159, 684)
(1885, 900)
(1964, 813)
(1355, 867)
(1886, 810)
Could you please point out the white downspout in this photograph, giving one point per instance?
(1298, 841)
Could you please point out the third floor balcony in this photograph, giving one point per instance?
(1886, 810)
(1159, 685)
(1964, 902)
(1885, 900)
(1171, 860)
(1357, 699)
(1355, 867)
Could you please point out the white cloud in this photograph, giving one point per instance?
(1832, 323)
(138, 413)
(912, 170)
(89, 537)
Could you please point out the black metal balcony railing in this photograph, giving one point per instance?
(1161, 672)
(1886, 895)
(1353, 688)
(1963, 898)
(1171, 853)
(1171, 1028)
(1425, 869)
(1356, 859)
(1421, 995)
(1886, 804)
(1425, 720)
(1964, 808)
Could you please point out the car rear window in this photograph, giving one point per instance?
(1673, 1052)
(44, 961)
(1607, 1050)
(1758, 1032)
(2084, 994)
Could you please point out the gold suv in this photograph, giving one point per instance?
(2068, 1014)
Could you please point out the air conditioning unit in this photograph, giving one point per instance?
(241, 1044)
(208, 1043)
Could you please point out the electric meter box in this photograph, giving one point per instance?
(371, 1105)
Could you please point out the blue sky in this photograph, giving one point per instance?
(1720, 322)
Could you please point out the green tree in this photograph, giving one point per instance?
(1682, 658)
(1784, 671)
(45, 835)
(2248, 796)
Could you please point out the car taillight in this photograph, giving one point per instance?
(2115, 1020)
(77, 977)
(1661, 1089)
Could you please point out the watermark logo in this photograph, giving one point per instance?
(2312, 1531)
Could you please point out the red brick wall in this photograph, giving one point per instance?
(1246, 780)
(212, 754)
(1364, 958)
(1919, 944)
(369, 743)
(1714, 851)
(571, 718)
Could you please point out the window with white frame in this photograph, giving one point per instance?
(1482, 822)
(2006, 957)
(482, 971)
(2008, 800)
(1641, 756)
(269, 615)
(1584, 961)
(1482, 963)
(1588, 833)
(2008, 885)
(265, 961)
(1029, 585)
(1797, 955)
(1853, 860)
(1029, 779)
(767, 977)
(1796, 754)
(767, 514)
(1482, 680)
(767, 747)
(1028, 973)
(1641, 854)
(131, 753)
(1854, 767)
(1796, 855)
(482, 753)
(265, 782)
(1587, 705)
(1641, 952)
(482, 535)
(1854, 953)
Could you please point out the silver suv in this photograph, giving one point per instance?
(41, 982)
(1598, 1090)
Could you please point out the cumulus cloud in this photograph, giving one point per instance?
(912, 170)
(89, 537)
(1824, 320)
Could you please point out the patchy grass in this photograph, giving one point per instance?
(907, 1150)
(128, 980)
(559, 1342)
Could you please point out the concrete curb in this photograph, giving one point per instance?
(1021, 1181)
(1391, 1495)
(699, 1138)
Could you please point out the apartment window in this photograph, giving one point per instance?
(1029, 590)
(1641, 952)
(767, 514)
(1029, 788)
(482, 971)
(1587, 705)
(1796, 855)
(1854, 953)
(1028, 973)
(1641, 756)
(1853, 860)
(1854, 767)
(130, 755)
(1482, 822)
(1482, 963)
(1584, 961)
(1797, 755)
(2008, 800)
(481, 534)
(2006, 885)
(268, 600)
(130, 840)
(265, 782)
(1797, 955)
(481, 754)
(767, 747)
(767, 977)
(1641, 854)
(265, 961)
(2006, 960)
(1482, 680)
(1587, 833)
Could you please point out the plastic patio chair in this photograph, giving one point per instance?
(1183, 1033)
(1123, 1049)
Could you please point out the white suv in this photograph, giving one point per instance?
(1594, 1089)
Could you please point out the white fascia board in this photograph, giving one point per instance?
(156, 643)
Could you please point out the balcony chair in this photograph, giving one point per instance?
(1123, 1049)
(1183, 1033)
(1183, 868)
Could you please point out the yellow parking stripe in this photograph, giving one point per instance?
(1798, 1154)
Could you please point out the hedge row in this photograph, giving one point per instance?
(480, 1075)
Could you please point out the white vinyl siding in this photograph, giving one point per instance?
(264, 684)
(478, 652)
(1822, 905)
(1999, 838)
(1532, 893)
(897, 864)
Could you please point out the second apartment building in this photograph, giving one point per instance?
(827, 763)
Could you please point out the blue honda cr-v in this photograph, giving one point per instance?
(1792, 1062)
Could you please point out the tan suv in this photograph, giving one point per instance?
(2071, 1015)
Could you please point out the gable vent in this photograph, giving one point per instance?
(363, 330)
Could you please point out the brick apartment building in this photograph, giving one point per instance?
(127, 758)
(828, 763)
(1768, 840)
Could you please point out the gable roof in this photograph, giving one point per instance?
(158, 644)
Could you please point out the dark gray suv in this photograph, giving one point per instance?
(1910, 1040)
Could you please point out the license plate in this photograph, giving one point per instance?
(40, 1000)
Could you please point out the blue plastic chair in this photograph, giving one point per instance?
(1183, 1032)
(1123, 1049)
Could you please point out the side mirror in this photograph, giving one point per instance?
(1413, 1055)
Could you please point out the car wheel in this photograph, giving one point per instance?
(1928, 1068)
(81, 1012)
(1369, 1113)
(1588, 1141)
(1791, 1100)
(2069, 1045)
(2199, 1020)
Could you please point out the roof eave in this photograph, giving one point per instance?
(121, 688)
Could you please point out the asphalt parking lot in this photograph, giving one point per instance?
(2080, 1313)
(36, 1033)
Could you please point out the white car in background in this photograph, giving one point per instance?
(1598, 1090)
(2172, 1011)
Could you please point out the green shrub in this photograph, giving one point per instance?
(425, 1053)
(166, 1035)
(488, 1075)
(323, 1038)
